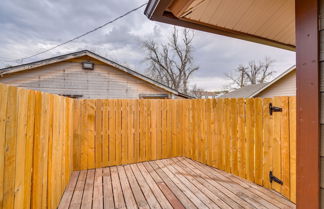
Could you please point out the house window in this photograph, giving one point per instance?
(74, 96)
(87, 65)
(154, 96)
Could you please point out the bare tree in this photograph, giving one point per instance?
(253, 73)
(196, 92)
(172, 63)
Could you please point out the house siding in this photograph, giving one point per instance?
(69, 78)
(286, 86)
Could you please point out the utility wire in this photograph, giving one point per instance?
(78, 37)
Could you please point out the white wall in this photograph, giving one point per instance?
(69, 78)
(286, 86)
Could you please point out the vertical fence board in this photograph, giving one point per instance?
(105, 133)
(136, 132)
(36, 186)
(62, 145)
(3, 111)
(76, 134)
(153, 129)
(241, 156)
(209, 126)
(118, 132)
(174, 118)
(285, 148)
(159, 130)
(292, 136)
(10, 149)
(141, 130)
(148, 141)
(20, 148)
(125, 145)
(267, 142)
(234, 139)
(227, 136)
(98, 133)
(259, 141)
(222, 128)
(249, 134)
(51, 172)
(91, 112)
(130, 131)
(214, 139)
(112, 132)
(84, 136)
(163, 129)
(29, 149)
(276, 145)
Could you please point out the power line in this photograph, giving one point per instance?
(77, 37)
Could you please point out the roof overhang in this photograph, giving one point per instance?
(270, 22)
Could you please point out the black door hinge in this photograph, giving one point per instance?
(275, 179)
(274, 109)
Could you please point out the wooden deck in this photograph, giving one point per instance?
(170, 183)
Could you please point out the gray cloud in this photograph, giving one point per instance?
(27, 27)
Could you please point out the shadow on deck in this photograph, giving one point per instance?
(170, 183)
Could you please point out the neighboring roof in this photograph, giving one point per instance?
(244, 92)
(209, 93)
(52, 60)
(291, 69)
(253, 90)
(273, 21)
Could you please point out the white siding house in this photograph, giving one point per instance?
(67, 75)
(283, 85)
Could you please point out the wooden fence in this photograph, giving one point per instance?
(44, 137)
(114, 132)
(238, 136)
(35, 148)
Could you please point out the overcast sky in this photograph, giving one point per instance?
(28, 27)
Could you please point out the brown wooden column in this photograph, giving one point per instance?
(308, 108)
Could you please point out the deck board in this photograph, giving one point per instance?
(169, 183)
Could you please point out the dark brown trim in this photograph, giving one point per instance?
(308, 108)
(157, 10)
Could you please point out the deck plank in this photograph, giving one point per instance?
(129, 197)
(228, 197)
(169, 195)
(78, 191)
(249, 197)
(237, 187)
(88, 190)
(200, 194)
(67, 197)
(155, 189)
(170, 183)
(181, 186)
(107, 190)
(97, 190)
(220, 194)
(152, 201)
(117, 190)
(158, 175)
(139, 197)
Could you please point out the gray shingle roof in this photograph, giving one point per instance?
(245, 91)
